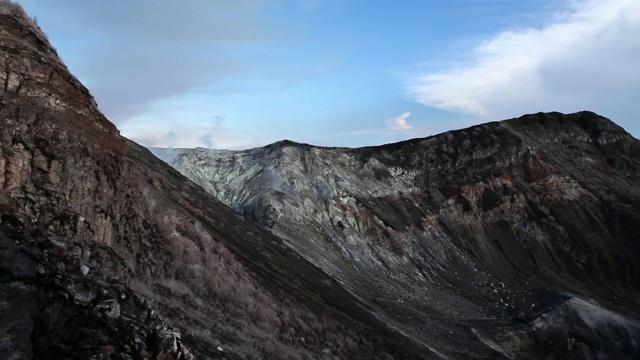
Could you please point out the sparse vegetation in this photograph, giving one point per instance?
(227, 303)
(13, 8)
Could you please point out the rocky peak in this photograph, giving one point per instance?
(33, 72)
(57, 150)
(515, 239)
(107, 252)
(505, 220)
(62, 164)
(585, 122)
(285, 143)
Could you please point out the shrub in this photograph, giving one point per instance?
(212, 283)
(9, 7)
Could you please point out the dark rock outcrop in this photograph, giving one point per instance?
(106, 252)
(516, 239)
(56, 308)
(519, 236)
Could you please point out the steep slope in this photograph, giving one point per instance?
(522, 234)
(97, 235)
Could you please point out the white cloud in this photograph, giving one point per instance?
(187, 122)
(399, 122)
(585, 58)
(191, 137)
(132, 53)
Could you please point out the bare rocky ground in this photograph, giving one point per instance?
(516, 239)
(518, 236)
(106, 252)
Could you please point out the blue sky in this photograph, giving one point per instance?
(245, 73)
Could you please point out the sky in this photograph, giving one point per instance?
(237, 74)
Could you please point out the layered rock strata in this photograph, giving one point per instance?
(498, 221)
(108, 253)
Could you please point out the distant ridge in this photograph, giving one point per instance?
(531, 222)
(108, 253)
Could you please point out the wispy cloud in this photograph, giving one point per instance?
(399, 123)
(211, 138)
(185, 122)
(585, 58)
(190, 136)
(132, 53)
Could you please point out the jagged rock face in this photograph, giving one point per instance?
(55, 308)
(62, 161)
(98, 237)
(507, 220)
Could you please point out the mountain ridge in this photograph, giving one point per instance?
(107, 252)
(586, 115)
(484, 243)
(543, 204)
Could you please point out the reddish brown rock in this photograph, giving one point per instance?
(485, 222)
(103, 246)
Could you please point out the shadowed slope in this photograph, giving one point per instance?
(96, 235)
(502, 221)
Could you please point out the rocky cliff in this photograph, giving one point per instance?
(518, 238)
(108, 253)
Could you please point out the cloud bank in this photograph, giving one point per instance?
(585, 58)
(133, 53)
